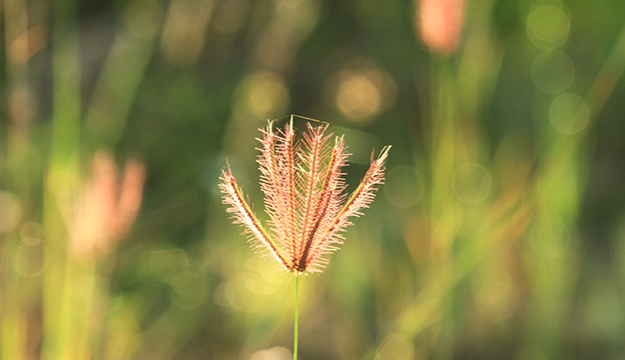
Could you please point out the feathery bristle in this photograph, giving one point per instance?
(242, 214)
(304, 196)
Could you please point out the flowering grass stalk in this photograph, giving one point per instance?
(296, 322)
(305, 198)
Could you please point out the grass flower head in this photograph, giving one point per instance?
(305, 196)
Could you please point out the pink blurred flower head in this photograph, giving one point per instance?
(107, 207)
(305, 196)
(440, 24)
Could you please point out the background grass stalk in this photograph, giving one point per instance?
(62, 174)
(442, 200)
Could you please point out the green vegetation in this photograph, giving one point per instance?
(499, 232)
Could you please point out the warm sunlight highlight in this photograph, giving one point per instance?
(305, 196)
(107, 207)
(440, 24)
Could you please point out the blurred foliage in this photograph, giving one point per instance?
(499, 234)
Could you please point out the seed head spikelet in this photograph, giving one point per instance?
(243, 215)
(305, 196)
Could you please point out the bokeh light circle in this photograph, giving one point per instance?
(358, 97)
(31, 259)
(548, 26)
(553, 71)
(404, 186)
(263, 94)
(243, 293)
(569, 113)
(361, 90)
(472, 183)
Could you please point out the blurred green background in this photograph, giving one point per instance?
(499, 234)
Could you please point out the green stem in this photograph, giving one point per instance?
(296, 317)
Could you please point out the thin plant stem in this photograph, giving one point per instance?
(296, 317)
